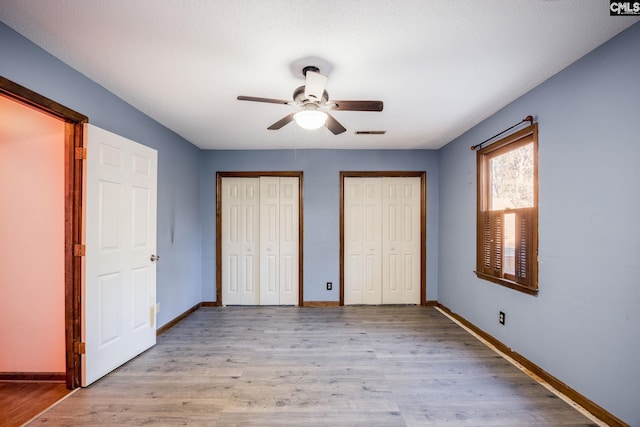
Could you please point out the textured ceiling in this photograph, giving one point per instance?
(440, 66)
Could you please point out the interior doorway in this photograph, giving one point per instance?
(31, 222)
(71, 142)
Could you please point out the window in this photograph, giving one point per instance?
(507, 230)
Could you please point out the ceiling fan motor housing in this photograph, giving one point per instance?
(299, 97)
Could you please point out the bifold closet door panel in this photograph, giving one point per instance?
(363, 240)
(240, 241)
(401, 240)
(269, 240)
(289, 240)
(279, 219)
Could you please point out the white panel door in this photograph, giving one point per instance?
(269, 240)
(240, 241)
(289, 241)
(363, 240)
(401, 240)
(279, 201)
(119, 286)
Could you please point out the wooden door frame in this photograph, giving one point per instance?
(423, 221)
(219, 176)
(73, 143)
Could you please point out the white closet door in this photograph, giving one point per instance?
(363, 240)
(401, 240)
(279, 240)
(269, 240)
(289, 240)
(240, 241)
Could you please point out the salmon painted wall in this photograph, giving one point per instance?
(31, 240)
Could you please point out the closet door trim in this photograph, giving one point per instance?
(423, 221)
(256, 174)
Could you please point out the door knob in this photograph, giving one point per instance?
(154, 258)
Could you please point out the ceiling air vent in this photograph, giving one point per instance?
(371, 132)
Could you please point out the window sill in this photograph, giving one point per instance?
(507, 283)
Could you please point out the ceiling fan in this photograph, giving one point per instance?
(314, 103)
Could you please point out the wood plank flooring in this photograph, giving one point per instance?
(22, 400)
(338, 366)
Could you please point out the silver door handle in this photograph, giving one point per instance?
(154, 258)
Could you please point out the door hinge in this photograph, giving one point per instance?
(79, 250)
(81, 153)
(79, 347)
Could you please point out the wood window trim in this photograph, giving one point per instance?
(73, 140)
(423, 221)
(254, 174)
(511, 142)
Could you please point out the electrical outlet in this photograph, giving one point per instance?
(329, 286)
(501, 318)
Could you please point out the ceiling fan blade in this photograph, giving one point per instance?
(283, 121)
(357, 105)
(257, 99)
(334, 126)
(314, 85)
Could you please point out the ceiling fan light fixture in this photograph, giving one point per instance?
(310, 119)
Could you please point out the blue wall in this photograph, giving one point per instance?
(321, 238)
(584, 326)
(178, 275)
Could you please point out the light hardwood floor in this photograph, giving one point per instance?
(342, 366)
